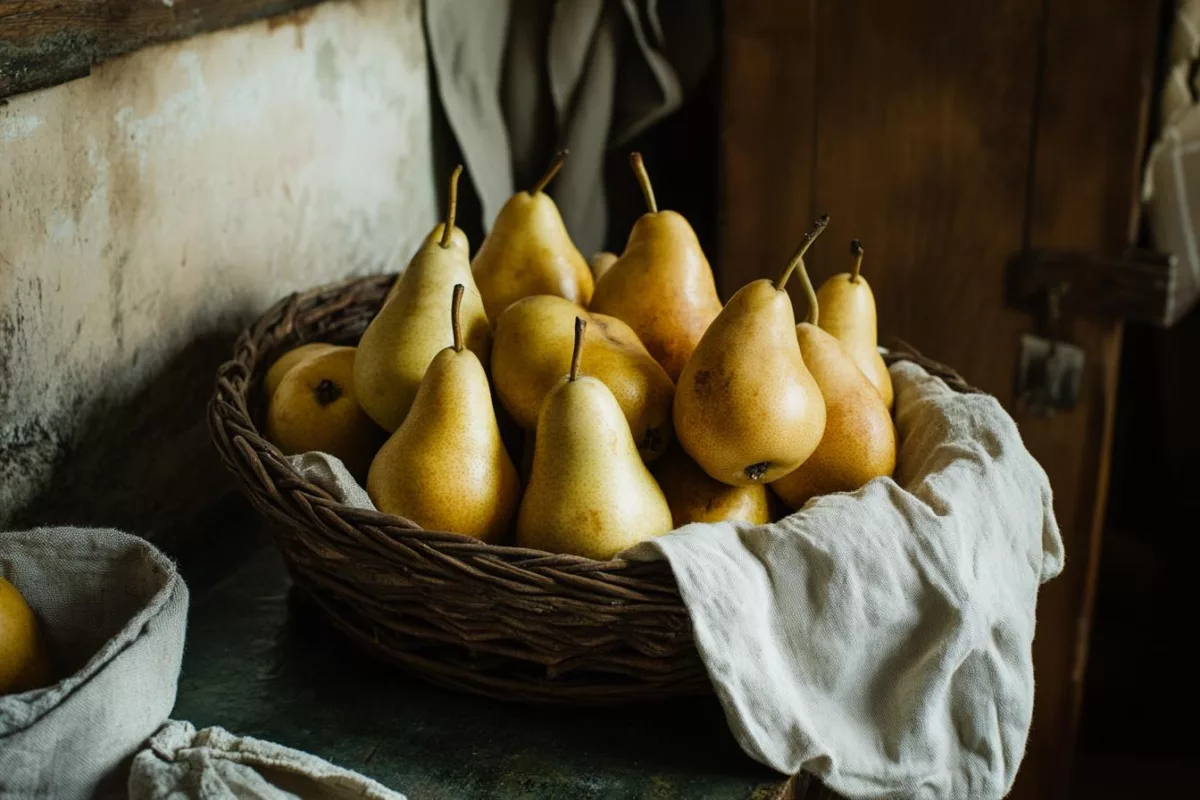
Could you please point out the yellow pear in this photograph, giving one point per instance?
(532, 352)
(662, 285)
(315, 408)
(860, 441)
(285, 362)
(848, 313)
(695, 497)
(529, 252)
(411, 327)
(746, 407)
(445, 468)
(589, 493)
(600, 262)
(24, 662)
(458, 242)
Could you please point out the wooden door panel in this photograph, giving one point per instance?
(947, 136)
(1092, 113)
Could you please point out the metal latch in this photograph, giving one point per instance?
(1137, 286)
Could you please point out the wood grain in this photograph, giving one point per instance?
(47, 42)
(1092, 116)
(767, 138)
(949, 137)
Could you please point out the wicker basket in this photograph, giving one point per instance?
(505, 622)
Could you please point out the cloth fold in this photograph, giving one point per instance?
(883, 639)
(519, 79)
(213, 764)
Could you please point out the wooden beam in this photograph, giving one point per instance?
(47, 42)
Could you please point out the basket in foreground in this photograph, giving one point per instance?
(507, 622)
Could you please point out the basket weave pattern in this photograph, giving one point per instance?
(507, 622)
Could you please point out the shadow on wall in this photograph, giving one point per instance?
(145, 464)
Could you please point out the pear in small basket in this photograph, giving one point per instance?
(529, 252)
(315, 408)
(411, 327)
(662, 285)
(848, 312)
(445, 468)
(695, 497)
(589, 493)
(860, 441)
(746, 407)
(24, 662)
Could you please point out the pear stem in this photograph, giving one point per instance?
(814, 311)
(577, 353)
(805, 243)
(551, 171)
(451, 208)
(456, 317)
(643, 179)
(856, 250)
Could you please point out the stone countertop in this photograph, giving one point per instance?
(260, 663)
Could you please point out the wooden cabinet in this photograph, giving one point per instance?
(950, 136)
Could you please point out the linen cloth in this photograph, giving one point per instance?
(113, 611)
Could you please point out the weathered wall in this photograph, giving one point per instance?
(150, 210)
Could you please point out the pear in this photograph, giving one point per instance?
(662, 285)
(410, 329)
(24, 661)
(848, 312)
(746, 407)
(529, 252)
(589, 493)
(445, 468)
(860, 441)
(315, 408)
(600, 262)
(285, 362)
(532, 352)
(695, 497)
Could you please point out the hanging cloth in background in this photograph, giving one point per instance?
(520, 79)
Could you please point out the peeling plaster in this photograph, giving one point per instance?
(153, 208)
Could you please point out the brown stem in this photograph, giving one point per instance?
(643, 179)
(456, 317)
(577, 353)
(551, 171)
(451, 208)
(856, 250)
(805, 243)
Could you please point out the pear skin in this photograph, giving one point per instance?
(600, 262)
(860, 441)
(446, 467)
(285, 362)
(24, 661)
(695, 497)
(532, 352)
(589, 493)
(848, 313)
(529, 252)
(662, 285)
(315, 408)
(411, 328)
(747, 410)
(458, 242)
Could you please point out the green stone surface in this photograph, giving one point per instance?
(259, 663)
